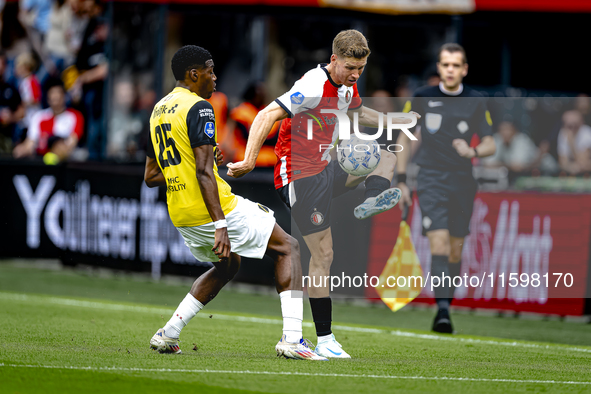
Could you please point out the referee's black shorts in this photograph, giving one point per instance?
(446, 200)
(310, 198)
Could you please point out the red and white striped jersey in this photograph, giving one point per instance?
(45, 125)
(30, 91)
(297, 156)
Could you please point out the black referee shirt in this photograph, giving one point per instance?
(445, 118)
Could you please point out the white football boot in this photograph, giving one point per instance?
(330, 348)
(297, 350)
(373, 205)
(164, 344)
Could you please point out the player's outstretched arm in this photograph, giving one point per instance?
(370, 117)
(259, 131)
(204, 158)
(152, 174)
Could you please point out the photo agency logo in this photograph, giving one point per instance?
(364, 142)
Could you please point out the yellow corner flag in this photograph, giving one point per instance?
(404, 264)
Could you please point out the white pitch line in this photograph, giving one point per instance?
(486, 342)
(327, 375)
(249, 319)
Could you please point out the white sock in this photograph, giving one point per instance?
(324, 338)
(292, 310)
(186, 310)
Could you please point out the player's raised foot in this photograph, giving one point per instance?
(373, 205)
(164, 344)
(297, 350)
(330, 348)
(442, 322)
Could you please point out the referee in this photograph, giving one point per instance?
(453, 113)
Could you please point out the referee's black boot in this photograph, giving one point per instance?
(442, 322)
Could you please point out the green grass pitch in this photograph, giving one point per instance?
(67, 332)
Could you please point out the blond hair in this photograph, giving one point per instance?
(27, 60)
(350, 43)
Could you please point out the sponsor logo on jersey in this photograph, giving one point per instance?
(348, 96)
(433, 122)
(317, 218)
(330, 121)
(209, 129)
(207, 112)
(433, 104)
(297, 98)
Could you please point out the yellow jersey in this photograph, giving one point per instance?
(180, 122)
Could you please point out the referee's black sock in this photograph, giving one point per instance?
(322, 314)
(439, 268)
(374, 185)
(454, 270)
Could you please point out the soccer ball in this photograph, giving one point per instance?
(358, 157)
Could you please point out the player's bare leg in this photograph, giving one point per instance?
(285, 252)
(439, 241)
(320, 245)
(208, 285)
(379, 197)
(455, 260)
(204, 289)
(385, 168)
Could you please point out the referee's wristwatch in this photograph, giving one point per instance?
(475, 152)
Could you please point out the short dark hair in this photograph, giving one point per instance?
(452, 47)
(187, 58)
(52, 83)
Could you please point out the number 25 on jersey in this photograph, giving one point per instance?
(166, 145)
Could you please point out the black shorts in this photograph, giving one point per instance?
(310, 198)
(446, 200)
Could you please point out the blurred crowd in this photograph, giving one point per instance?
(55, 68)
(558, 143)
